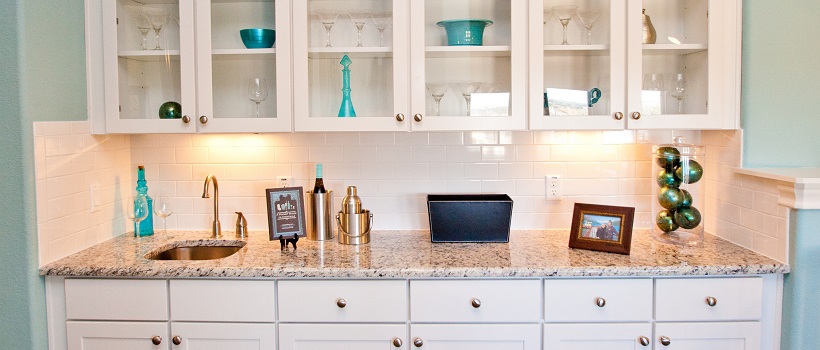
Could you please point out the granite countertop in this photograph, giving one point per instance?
(404, 254)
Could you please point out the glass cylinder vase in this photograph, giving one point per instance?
(678, 203)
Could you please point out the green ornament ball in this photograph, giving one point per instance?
(687, 199)
(670, 197)
(688, 218)
(666, 221)
(668, 157)
(667, 178)
(170, 110)
(689, 171)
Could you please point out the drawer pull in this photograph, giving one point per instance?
(665, 341)
(619, 115)
(397, 342)
(186, 119)
(176, 340)
(341, 303)
(644, 340)
(418, 342)
(400, 117)
(476, 303)
(636, 115)
(156, 340)
(203, 119)
(711, 301)
(601, 302)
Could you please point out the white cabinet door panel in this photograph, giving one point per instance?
(117, 335)
(476, 337)
(224, 336)
(598, 336)
(342, 336)
(708, 336)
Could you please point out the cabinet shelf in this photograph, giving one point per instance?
(468, 51)
(149, 55)
(678, 49)
(576, 50)
(338, 52)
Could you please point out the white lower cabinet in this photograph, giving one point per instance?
(475, 336)
(342, 336)
(707, 336)
(85, 335)
(598, 336)
(102, 335)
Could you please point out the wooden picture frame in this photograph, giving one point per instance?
(603, 228)
(286, 212)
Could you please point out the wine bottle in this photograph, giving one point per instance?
(146, 226)
(319, 187)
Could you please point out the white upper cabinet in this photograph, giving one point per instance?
(607, 78)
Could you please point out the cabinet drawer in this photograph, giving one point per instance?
(101, 299)
(685, 299)
(342, 301)
(475, 301)
(571, 300)
(223, 301)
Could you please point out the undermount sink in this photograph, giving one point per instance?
(196, 250)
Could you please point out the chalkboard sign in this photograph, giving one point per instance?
(286, 212)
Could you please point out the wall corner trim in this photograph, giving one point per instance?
(799, 188)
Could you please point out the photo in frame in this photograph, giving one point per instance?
(286, 212)
(603, 228)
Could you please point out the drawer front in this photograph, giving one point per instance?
(223, 301)
(571, 300)
(685, 299)
(101, 299)
(342, 301)
(475, 301)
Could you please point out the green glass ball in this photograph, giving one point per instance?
(692, 173)
(667, 178)
(687, 199)
(688, 218)
(668, 157)
(170, 110)
(670, 197)
(666, 221)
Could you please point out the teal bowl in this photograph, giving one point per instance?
(465, 32)
(258, 38)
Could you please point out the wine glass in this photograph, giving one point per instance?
(328, 18)
(258, 91)
(652, 98)
(653, 82)
(437, 91)
(564, 14)
(588, 18)
(157, 17)
(678, 89)
(137, 210)
(141, 23)
(382, 21)
(162, 208)
(359, 18)
(467, 89)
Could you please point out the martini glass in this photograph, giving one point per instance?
(678, 89)
(359, 18)
(382, 21)
(588, 18)
(437, 91)
(157, 18)
(564, 14)
(328, 18)
(141, 22)
(467, 89)
(257, 92)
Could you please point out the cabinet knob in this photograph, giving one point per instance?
(418, 342)
(711, 301)
(400, 117)
(341, 303)
(176, 340)
(476, 303)
(417, 117)
(397, 342)
(636, 115)
(665, 341)
(601, 302)
(618, 116)
(203, 119)
(186, 119)
(156, 340)
(644, 340)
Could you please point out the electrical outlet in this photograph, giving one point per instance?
(553, 184)
(284, 181)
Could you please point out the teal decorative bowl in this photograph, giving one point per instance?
(465, 32)
(258, 38)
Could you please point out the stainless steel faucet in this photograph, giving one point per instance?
(217, 229)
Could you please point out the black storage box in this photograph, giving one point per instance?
(469, 217)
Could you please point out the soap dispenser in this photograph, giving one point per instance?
(241, 226)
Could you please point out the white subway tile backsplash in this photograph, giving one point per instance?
(515, 170)
(480, 171)
(377, 139)
(533, 153)
(498, 153)
(463, 154)
(446, 139)
(463, 186)
(411, 139)
(481, 137)
(429, 154)
(584, 153)
(498, 186)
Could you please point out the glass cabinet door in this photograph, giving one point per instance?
(577, 64)
(149, 67)
(350, 65)
(468, 64)
(238, 86)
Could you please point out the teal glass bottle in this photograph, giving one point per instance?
(346, 109)
(146, 227)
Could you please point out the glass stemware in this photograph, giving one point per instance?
(328, 18)
(137, 210)
(653, 82)
(467, 89)
(359, 18)
(437, 91)
(158, 18)
(564, 14)
(678, 89)
(162, 208)
(257, 91)
(141, 23)
(382, 21)
(588, 18)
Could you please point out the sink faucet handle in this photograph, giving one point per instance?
(241, 225)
